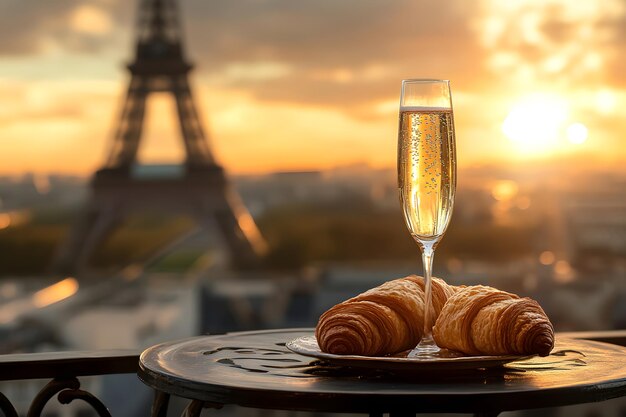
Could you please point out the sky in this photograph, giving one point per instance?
(299, 85)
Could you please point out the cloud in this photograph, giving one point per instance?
(558, 43)
(616, 63)
(24, 103)
(55, 125)
(349, 54)
(324, 43)
(90, 20)
(22, 25)
(35, 26)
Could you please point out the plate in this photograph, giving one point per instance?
(307, 346)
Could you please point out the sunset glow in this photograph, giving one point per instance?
(504, 190)
(577, 133)
(55, 293)
(272, 96)
(5, 220)
(534, 125)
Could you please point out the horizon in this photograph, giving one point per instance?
(562, 164)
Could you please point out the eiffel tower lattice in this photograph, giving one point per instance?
(202, 190)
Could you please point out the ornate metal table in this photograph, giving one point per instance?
(255, 369)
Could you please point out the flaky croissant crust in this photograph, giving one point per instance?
(384, 320)
(481, 320)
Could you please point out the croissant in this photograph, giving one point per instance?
(481, 320)
(383, 320)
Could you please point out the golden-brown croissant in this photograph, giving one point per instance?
(384, 320)
(481, 320)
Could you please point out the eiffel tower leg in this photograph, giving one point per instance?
(91, 229)
(194, 138)
(126, 141)
(64, 260)
(104, 225)
(240, 232)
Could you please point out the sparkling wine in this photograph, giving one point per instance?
(426, 170)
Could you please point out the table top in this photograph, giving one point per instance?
(255, 369)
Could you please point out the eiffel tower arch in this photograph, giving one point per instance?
(202, 191)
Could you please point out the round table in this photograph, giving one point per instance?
(255, 369)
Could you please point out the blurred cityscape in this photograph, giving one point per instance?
(550, 232)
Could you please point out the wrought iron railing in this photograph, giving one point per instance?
(63, 369)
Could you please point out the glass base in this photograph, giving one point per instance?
(428, 349)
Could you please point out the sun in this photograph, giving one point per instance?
(536, 123)
(577, 133)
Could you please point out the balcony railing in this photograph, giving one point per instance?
(63, 369)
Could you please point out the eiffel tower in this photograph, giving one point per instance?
(202, 191)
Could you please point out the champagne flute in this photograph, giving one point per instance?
(426, 178)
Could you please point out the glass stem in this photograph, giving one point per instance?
(428, 252)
